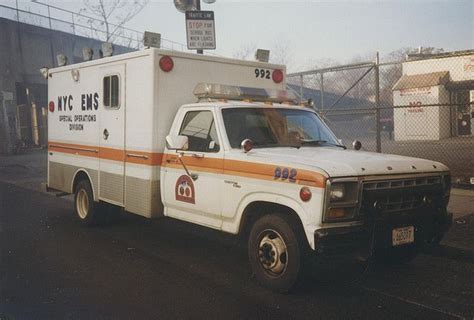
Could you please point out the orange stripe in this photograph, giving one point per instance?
(112, 154)
(138, 157)
(267, 172)
(88, 151)
(148, 158)
(231, 167)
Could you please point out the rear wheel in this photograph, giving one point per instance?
(87, 211)
(275, 252)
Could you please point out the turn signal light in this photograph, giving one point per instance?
(305, 194)
(339, 213)
(166, 63)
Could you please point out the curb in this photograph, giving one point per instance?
(453, 253)
(462, 192)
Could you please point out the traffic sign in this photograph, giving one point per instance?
(200, 30)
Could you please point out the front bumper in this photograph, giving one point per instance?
(430, 225)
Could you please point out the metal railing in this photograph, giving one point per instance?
(55, 18)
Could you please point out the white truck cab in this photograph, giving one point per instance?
(218, 142)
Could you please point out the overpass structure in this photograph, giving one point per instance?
(31, 38)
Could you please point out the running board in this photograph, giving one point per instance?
(57, 193)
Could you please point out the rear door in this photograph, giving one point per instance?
(112, 134)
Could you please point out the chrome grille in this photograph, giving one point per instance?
(399, 195)
(400, 203)
(402, 183)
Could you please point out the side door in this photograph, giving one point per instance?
(112, 134)
(197, 200)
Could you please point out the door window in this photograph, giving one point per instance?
(111, 91)
(199, 127)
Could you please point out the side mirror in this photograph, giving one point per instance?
(177, 142)
(357, 145)
(246, 145)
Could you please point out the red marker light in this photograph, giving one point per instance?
(277, 76)
(166, 63)
(51, 106)
(305, 194)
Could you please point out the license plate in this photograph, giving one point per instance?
(403, 235)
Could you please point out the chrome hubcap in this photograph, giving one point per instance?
(82, 204)
(272, 252)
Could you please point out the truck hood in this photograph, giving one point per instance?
(337, 162)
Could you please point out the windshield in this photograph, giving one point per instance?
(275, 127)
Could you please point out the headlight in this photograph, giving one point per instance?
(338, 192)
(343, 199)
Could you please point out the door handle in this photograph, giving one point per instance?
(106, 134)
(197, 156)
(172, 160)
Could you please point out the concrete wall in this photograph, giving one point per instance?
(24, 49)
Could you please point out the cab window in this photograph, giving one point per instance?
(111, 91)
(199, 127)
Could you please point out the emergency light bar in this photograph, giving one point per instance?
(221, 91)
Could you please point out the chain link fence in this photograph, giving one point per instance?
(421, 107)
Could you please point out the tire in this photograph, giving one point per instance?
(276, 252)
(87, 211)
(397, 255)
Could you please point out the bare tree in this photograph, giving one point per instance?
(281, 52)
(246, 52)
(113, 15)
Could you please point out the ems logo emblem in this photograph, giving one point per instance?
(184, 189)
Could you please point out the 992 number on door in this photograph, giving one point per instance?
(262, 73)
(285, 174)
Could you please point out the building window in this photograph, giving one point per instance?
(111, 91)
(199, 127)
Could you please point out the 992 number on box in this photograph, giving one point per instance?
(262, 73)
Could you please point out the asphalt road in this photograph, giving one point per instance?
(52, 268)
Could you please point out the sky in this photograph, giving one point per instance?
(315, 30)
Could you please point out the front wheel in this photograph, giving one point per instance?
(275, 252)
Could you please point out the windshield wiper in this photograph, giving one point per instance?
(273, 145)
(321, 142)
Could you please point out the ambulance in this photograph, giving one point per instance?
(219, 142)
